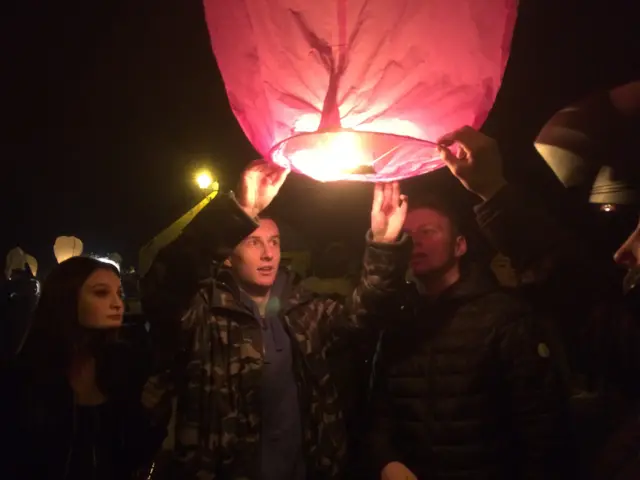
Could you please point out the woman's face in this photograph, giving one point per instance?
(100, 302)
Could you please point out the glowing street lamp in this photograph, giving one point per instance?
(204, 180)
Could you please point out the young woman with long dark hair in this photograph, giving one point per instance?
(71, 416)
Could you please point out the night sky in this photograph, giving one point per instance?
(109, 105)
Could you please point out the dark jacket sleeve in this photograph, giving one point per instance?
(537, 397)
(14, 457)
(141, 437)
(569, 279)
(382, 281)
(541, 248)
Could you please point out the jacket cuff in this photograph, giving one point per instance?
(392, 257)
(488, 209)
(518, 227)
(401, 242)
(387, 263)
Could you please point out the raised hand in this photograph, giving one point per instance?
(477, 163)
(388, 211)
(259, 185)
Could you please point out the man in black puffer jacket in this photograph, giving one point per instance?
(466, 384)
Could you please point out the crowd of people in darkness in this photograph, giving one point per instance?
(219, 363)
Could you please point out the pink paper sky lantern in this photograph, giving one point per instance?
(359, 89)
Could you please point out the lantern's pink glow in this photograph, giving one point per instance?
(414, 69)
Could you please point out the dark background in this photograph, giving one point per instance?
(109, 105)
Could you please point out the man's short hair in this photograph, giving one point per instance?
(438, 204)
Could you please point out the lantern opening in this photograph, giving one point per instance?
(347, 154)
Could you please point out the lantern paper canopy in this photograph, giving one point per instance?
(67, 247)
(359, 89)
(32, 263)
(16, 260)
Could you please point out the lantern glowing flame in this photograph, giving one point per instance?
(328, 156)
(359, 89)
(354, 155)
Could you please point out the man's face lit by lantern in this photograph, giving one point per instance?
(256, 260)
(437, 245)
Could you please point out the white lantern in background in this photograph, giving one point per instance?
(33, 264)
(67, 247)
(16, 258)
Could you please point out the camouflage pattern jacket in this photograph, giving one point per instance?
(210, 353)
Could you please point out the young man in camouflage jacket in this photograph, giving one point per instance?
(245, 351)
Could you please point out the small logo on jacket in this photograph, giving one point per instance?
(543, 350)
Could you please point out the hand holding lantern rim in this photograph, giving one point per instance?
(477, 164)
(259, 185)
(388, 212)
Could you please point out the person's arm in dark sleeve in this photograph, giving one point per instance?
(382, 281)
(540, 247)
(377, 296)
(537, 395)
(141, 437)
